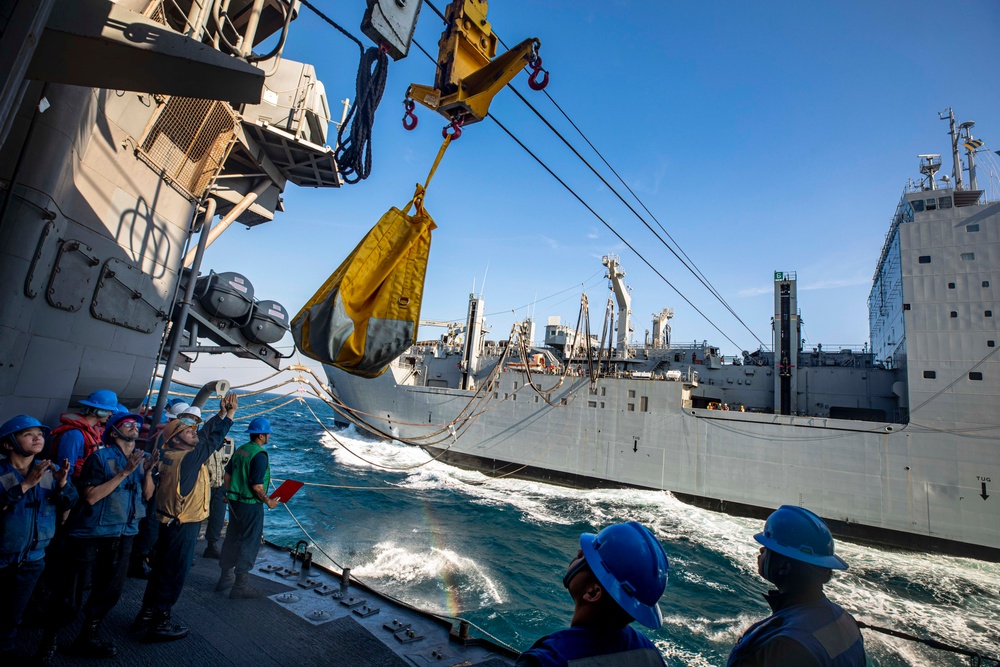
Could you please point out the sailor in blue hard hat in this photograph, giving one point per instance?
(79, 432)
(617, 577)
(247, 477)
(115, 483)
(33, 493)
(805, 628)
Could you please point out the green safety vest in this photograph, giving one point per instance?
(239, 482)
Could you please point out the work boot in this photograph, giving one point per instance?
(226, 581)
(242, 590)
(88, 643)
(211, 551)
(47, 647)
(163, 630)
(143, 620)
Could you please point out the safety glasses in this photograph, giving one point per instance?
(575, 570)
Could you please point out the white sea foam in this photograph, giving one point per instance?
(400, 567)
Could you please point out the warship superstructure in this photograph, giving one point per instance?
(897, 442)
(128, 126)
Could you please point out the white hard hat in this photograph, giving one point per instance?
(177, 410)
(194, 411)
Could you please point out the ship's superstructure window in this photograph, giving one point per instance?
(986, 283)
(631, 407)
(951, 285)
(968, 256)
(991, 343)
(931, 204)
(930, 375)
(644, 403)
(591, 404)
(988, 313)
(918, 205)
(972, 228)
(975, 375)
(631, 393)
(944, 202)
(924, 259)
(954, 313)
(604, 391)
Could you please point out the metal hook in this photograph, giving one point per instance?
(409, 118)
(456, 129)
(536, 67)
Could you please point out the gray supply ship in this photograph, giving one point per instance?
(897, 442)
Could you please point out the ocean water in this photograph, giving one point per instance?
(493, 551)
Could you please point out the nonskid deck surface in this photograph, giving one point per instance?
(264, 631)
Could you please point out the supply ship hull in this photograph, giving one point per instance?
(895, 443)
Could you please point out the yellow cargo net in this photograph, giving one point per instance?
(367, 312)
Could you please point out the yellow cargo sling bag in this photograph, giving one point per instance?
(367, 312)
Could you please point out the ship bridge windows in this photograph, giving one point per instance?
(930, 204)
(944, 202)
(918, 205)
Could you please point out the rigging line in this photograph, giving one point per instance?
(390, 487)
(603, 180)
(326, 18)
(622, 180)
(595, 214)
(371, 463)
(689, 263)
(613, 231)
(933, 643)
(552, 296)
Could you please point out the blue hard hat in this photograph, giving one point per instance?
(15, 425)
(113, 421)
(102, 399)
(797, 533)
(631, 565)
(259, 425)
(174, 401)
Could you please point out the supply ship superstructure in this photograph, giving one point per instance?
(897, 442)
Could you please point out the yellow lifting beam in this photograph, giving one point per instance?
(468, 77)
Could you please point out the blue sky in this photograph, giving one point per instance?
(762, 136)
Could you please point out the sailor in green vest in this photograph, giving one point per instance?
(248, 474)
